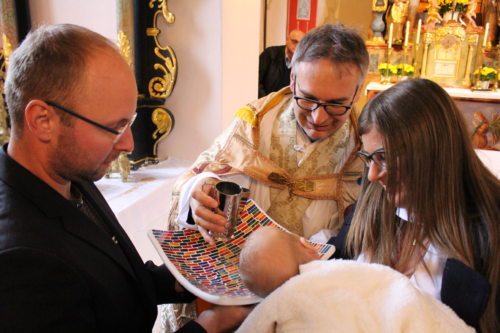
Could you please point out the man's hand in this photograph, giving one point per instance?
(223, 318)
(203, 205)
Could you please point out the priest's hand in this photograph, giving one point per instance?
(203, 205)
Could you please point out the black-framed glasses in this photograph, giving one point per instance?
(378, 157)
(333, 109)
(118, 132)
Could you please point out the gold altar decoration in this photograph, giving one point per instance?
(9, 40)
(161, 87)
(125, 48)
(155, 66)
(125, 18)
(442, 40)
(449, 55)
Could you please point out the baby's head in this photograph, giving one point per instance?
(270, 257)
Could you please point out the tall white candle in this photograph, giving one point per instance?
(419, 27)
(407, 33)
(389, 40)
(486, 32)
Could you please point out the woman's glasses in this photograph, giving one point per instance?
(377, 157)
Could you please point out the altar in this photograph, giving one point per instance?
(480, 109)
(143, 202)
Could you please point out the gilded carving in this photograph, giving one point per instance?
(163, 122)
(7, 47)
(161, 87)
(125, 48)
(169, 17)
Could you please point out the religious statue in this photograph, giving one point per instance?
(481, 125)
(398, 15)
(491, 9)
(486, 134)
(469, 18)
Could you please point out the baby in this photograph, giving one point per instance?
(332, 295)
(270, 257)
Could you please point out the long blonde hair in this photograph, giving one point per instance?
(451, 196)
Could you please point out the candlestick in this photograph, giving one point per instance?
(389, 41)
(486, 32)
(419, 27)
(407, 33)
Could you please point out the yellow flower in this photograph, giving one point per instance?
(486, 73)
(405, 69)
(384, 67)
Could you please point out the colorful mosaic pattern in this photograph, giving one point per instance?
(211, 272)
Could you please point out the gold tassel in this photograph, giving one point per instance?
(247, 114)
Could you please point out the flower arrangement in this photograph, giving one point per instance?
(461, 5)
(386, 69)
(405, 70)
(486, 73)
(447, 5)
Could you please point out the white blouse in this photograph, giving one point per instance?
(428, 274)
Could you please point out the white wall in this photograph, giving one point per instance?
(196, 98)
(276, 23)
(98, 15)
(217, 46)
(240, 54)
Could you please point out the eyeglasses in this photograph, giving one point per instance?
(378, 157)
(118, 132)
(333, 109)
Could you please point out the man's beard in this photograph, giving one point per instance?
(71, 163)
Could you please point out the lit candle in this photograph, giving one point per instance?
(407, 33)
(486, 32)
(389, 40)
(419, 27)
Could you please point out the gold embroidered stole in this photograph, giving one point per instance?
(321, 159)
(237, 152)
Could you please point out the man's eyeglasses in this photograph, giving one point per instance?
(378, 157)
(118, 132)
(333, 109)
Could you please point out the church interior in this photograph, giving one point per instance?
(196, 63)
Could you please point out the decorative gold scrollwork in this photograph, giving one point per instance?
(124, 46)
(303, 185)
(161, 87)
(161, 118)
(169, 17)
(7, 47)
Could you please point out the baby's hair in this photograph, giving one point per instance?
(268, 259)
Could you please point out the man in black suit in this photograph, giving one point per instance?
(66, 265)
(275, 63)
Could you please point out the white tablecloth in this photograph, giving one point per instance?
(143, 202)
(490, 158)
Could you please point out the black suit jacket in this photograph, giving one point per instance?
(463, 289)
(273, 73)
(59, 272)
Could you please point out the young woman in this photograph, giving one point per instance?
(429, 208)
